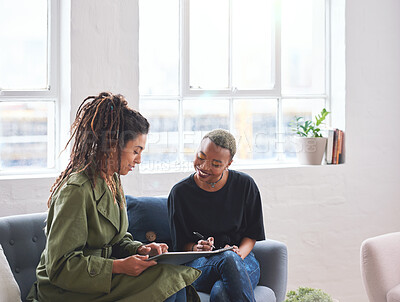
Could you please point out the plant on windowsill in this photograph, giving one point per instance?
(306, 294)
(309, 141)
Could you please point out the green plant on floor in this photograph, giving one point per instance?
(306, 294)
(308, 128)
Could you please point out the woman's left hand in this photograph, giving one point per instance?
(153, 249)
(236, 250)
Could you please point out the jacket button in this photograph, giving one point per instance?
(151, 236)
(34, 239)
(12, 242)
(17, 270)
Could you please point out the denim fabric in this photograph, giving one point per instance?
(178, 297)
(227, 277)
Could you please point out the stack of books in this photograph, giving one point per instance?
(335, 147)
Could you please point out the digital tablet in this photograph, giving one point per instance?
(184, 257)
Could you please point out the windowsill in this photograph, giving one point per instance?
(264, 166)
(37, 175)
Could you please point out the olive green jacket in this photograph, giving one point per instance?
(85, 229)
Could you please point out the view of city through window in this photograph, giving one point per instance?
(27, 122)
(24, 135)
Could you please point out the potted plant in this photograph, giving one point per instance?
(309, 141)
(306, 294)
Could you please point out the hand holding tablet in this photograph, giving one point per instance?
(184, 257)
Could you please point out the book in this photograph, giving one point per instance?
(335, 146)
(329, 146)
(339, 159)
(338, 147)
(184, 257)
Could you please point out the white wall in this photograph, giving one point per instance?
(322, 213)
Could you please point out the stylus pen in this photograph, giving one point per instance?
(202, 238)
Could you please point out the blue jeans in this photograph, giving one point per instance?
(178, 297)
(227, 277)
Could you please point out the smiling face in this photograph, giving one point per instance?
(131, 155)
(210, 161)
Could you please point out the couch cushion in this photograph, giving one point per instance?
(148, 219)
(261, 293)
(9, 290)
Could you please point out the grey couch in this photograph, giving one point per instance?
(23, 241)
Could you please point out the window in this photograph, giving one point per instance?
(28, 85)
(248, 66)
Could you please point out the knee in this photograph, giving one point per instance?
(232, 256)
(233, 260)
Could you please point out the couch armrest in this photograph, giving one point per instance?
(272, 256)
(23, 240)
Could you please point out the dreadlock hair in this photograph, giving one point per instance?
(103, 124)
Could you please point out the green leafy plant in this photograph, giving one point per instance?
(306, 294)
(308, 128)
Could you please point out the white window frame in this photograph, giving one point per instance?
(186, 93)
(185, 37)
(49, 94)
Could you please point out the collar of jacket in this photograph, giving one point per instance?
(99, 188)
(105, 202)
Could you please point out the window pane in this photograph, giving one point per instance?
(159, 47)
(162, 143)
(252, 44)
(209, 48)
(199, 118)
(231, 44)
(23, 51)
(255, 128)
(296, 108)
(303, 46)
(26, 135)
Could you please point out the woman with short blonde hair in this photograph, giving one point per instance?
(217, 207)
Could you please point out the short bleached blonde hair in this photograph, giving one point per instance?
(222, 138)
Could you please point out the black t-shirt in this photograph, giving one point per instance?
(228, 215)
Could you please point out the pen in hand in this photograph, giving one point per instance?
(202, 238)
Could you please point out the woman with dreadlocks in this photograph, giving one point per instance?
(89, 255)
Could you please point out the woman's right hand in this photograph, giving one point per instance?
(205, 245)
(133, 265)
